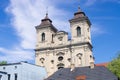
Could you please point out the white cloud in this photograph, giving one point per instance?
(16, 55)
(25, 15)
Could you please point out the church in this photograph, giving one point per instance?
(55, 51)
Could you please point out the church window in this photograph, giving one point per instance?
(60, 53)
(43, 36)
(90, 56)
(52, 61)
(79, 55)
(60, 38)
(52, 38)
(88, 29)
(60, 65)
(42, 60)
(69, 59)
(78, 31)
(60, 58)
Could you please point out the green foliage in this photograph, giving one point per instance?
(3, 62)
(114, 66)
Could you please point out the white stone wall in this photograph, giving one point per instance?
(85, 32)
(48, 37)
(78, 49)
(78, 61)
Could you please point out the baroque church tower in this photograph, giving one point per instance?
(54, 50)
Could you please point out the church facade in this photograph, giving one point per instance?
(54, 50)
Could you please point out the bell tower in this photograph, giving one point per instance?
(45, 32)
(80, 35)
(80, 27)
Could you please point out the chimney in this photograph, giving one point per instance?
(72, 67)
(92, 65)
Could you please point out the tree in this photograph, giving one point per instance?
(3, 62)
(114, 66)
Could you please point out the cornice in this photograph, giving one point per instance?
(63, 46)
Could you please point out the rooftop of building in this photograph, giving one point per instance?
(96, 73)
(102, 64)
(3, 72)
(18, 63)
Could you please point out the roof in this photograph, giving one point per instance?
(102, 64)
(80, 16)
(10, 64)
(97, 73)
(3, 72)
(46, 22)
(62, 32)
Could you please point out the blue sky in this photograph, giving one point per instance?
(18, 18)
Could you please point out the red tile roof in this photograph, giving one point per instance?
(102, 64)
(82, 77)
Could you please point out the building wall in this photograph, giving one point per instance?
(51, 61)
(24, 71)
(77, 51)
(3, 76)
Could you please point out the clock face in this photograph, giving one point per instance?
(60, 38)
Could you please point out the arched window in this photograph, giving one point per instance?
(42, 60)
(78, 31)
(60, 58)
(60, 54)
(43, 36)
(60, 65)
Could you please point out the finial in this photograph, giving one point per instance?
(46, 17)
(79, 10)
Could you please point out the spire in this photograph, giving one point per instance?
(46, 17)
(79, 6)
(79, 10)
(79, 13)
(46, 22)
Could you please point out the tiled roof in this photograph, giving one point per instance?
(97, 73)
(46, 22)
(102, 64)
